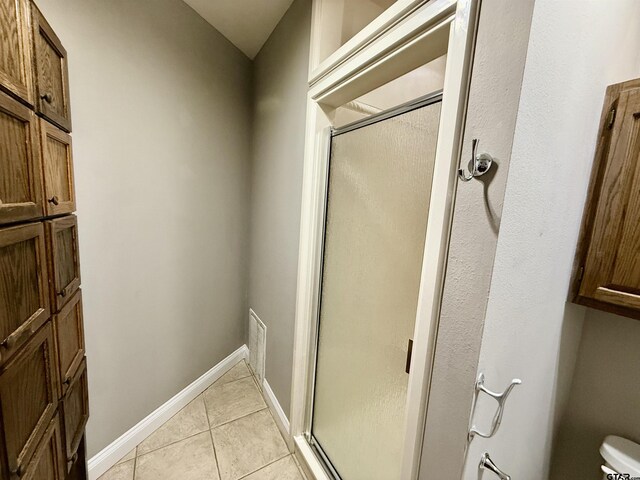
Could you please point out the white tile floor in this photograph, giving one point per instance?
(227, 433)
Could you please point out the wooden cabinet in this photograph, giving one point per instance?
(16, 74)
(75, 411)
(24, 294)
(608, 260)
(64, 260)
(20, 179)
(52, 77)
(44, 403)
(48, 460)
(28, 400)
(69, 331)
(57, 163)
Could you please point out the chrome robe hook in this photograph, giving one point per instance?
(487, 464)
(478, 165)
(501, 398)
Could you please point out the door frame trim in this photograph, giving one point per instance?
(390, 113)
(350, 78)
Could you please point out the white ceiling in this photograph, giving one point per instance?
(246, 23)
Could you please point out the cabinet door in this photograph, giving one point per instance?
(69, 332)
(52, 85)
(24, 296)
(64, 260)
(57, 164)
(612, 268)
(48, 461)
(78, 468)
(16, 74)
(20, 180)
(28, 399)
(75, 408)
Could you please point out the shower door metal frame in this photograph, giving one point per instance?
(410, 106)
(436, 27)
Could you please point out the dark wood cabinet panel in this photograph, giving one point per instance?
(24, 294)
(78, 465)
(69, 332)
(20, 178)
(44, 404)
(608, 261)
(57, 162)
(64, 260)
(48, 460)
(16, 72)
(52, 76)
(28, 399)
(75, 411)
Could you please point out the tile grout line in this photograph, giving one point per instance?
(215, 455)
(265, 466)
(264, 399)
(135, 461)
(255, 380)
(136, 455)
(241, 417)
(213, 443)
(170, 444)
(244, 416)
(227, 383)
(206, 413)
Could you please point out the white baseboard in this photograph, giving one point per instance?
(113, 452)
(281, 418)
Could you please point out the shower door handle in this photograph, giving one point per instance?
(407, 366)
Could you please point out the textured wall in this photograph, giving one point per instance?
(503, 35)
(576, 49)
(280, 89)
(161, 114)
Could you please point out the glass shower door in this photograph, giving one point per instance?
(379, 188)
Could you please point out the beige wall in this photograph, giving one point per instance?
(280, 86)
(605, 395)
(161, 113)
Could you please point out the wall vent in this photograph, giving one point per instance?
(257, 346)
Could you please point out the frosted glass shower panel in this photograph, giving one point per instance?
(378, 201)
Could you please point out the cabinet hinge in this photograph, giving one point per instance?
(580, 273)
(612, 118)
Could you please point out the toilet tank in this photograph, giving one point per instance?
(621, 456)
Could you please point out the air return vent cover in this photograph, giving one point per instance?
(257, 346)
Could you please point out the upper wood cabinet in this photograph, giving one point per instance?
(16, 74)
(52, 75)
(24, 296)
(57, 163)
(64, 261)
(28, 401)
(608, 260)
(20, 179)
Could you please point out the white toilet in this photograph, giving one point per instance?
(621, 456)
